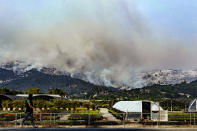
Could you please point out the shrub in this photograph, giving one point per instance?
(7, 104)
(53, 110)
(85, 117)
(117, 114)
(18, 103)
(42, 104)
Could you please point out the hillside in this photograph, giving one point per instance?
(36, 79)
(183, 90)
(136, 79)
(77, 88)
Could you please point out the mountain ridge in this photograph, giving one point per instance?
(77, 88)
(142, 79)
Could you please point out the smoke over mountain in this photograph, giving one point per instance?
(105, 40)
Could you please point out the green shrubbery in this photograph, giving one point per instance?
(7, 104)
(18, 104)
(117, 114)
(13, 104)
(85, 115)
(55, 106)
(42, 104)
(10, 116)
(182, 117)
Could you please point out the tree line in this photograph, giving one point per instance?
(7, 91)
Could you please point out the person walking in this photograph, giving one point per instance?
(29, 111)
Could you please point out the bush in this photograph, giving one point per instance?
(53, 110)
(18, 104)
(7, 104)
(92, 117)
(10, 116)
(42, 104)
(62, 104)
(117, 114)
(181, 117)
(105, 106)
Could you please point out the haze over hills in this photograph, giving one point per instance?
(12, 71)
(77, 88)
(159, 83)
(36, 79)
(102, 42)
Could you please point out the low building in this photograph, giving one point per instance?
(41, 96)
(142, 110)
(35, 96)
(49, 97)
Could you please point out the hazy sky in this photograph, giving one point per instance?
(175, 17)
(178, 16)
(162, 26)
(100, 36)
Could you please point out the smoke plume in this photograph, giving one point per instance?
(108, 41)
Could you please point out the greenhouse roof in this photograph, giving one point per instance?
(134, 106)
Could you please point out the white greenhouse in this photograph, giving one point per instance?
(138, 110)
(193, 105)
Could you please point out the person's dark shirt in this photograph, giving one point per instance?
(28, 108)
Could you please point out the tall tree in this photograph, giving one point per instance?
(33, 90)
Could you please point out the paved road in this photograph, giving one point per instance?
(108, 116)
(98, 129)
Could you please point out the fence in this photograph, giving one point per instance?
(85, 120)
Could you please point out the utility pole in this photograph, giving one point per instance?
(171, 104)
(159, 112)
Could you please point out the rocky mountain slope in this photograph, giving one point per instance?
(142, 79)
(77, 88)
(163, 84)
(169, 77)
(37, 79)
